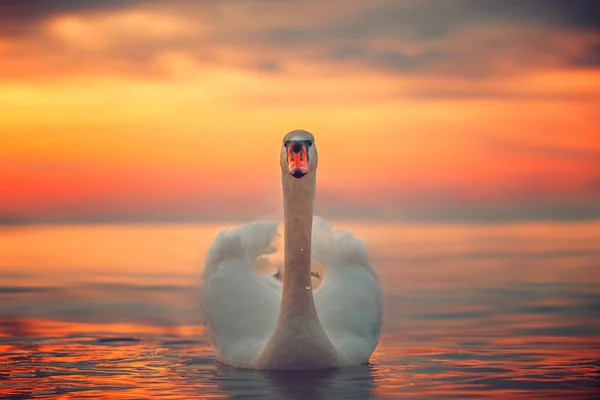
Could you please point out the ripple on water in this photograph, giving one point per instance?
(469, 312)
(83, 366)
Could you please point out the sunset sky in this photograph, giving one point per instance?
(462, 110)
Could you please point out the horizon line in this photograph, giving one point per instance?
(476, 220)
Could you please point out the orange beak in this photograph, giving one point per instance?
(297, 162)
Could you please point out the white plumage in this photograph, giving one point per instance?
(249, 321)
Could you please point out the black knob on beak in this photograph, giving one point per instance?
(298, 173)
(297, 147)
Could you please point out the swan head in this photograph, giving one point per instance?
(298, 154)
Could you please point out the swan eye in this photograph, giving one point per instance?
(307, 143)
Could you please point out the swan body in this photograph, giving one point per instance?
(255, 321)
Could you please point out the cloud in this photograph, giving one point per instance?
(594, 184)
(11, 219)
(425, 20)
(442, 208)
(22, 17)
(544, 150)
(440, 18)
(590, 58)
(420, 19)
(464, 38)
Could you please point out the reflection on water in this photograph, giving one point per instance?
(470, 311)
(353, 383)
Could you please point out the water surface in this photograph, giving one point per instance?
(502, 311)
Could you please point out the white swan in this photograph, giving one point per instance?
(254, 321)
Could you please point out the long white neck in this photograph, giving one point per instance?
(298, 200)
(298, 341)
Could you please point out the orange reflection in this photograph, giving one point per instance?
(473, 311)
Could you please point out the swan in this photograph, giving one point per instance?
(256, 321)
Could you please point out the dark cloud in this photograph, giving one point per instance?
(467, 212)
(423, 20)
(427, 18)
(438, 18)
(11, 219)
(590, 57)
(394, 60)
(397, 211)
(456, 205)
(268, 66)
(594, 184)
(426, 24)
(577, 14)
(470, 93)
(421, 37)
(35, 9)
(21, 17)
(497, 144)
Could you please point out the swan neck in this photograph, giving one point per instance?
(298, 197)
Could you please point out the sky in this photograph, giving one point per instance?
(462, 110)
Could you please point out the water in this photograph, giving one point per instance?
(503, 311)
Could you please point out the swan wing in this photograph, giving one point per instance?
(240, 306)
(349, 299)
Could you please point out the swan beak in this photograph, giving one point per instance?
(297, 159)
